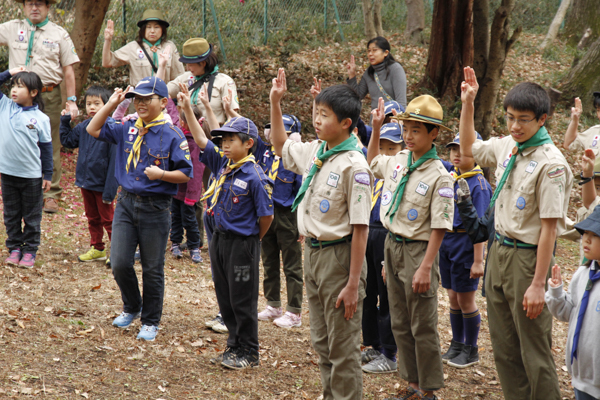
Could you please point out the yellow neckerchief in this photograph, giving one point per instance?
(376, 192)
(211, 189)
(275, 166)
(134, 155)
(475, 171)
(221, 179)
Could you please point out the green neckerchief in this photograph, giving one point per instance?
(154, 53)
(197, 78)
(350, 144)
(399, 192)
(541, 137)
(30, 44)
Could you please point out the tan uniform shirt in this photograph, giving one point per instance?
(52, 49)
(139, 66)
(339, 195)
(589, 139)
(428, 200)
(220, 89)
(537, 187)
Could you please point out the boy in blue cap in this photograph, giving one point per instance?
(243, 211)
(152, 157)
(282, 236)
(461, 262)
(376, 322)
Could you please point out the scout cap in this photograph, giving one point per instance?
(49, 1)
(195, 50)
(392, 132)
(291, 122)
(149, 86)
(424, 109)
(456, 140)
(237, 125)
(591, 223)
(152, 15)
(389, 106)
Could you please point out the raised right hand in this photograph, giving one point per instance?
(556, 279)
(279, 86)
(351, 68)
(378, 114)
(576, 111)
(469, 87)
(183, 97)
(587, 163)
(118, 96)
(109, 31)
(316, 88)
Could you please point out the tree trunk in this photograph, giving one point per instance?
(89, 16)
(584, 78)
(481, 36)
(377, 4)
(584, 14)
(556, 22)
(500, 44)
(370, 32)
(415, 21)
(450, 48)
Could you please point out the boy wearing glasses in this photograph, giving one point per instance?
(531, 201)
(152, 157)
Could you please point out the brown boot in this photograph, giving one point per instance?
(50, 205)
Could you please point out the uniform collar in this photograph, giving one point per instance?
(28, 108)
(530, 150)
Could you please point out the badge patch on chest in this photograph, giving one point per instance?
(157, 162)
(33, 121)
(324, 206)
(386, 198)
(595, 141)
(240, 183)
(333, 179)
(412, 214)
(140, 53)
(531, 167)
(505, 163)
(422, 188)
(235, 199)
(521, 203)
(21, 34)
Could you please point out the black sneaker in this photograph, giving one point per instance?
(228, 353)
(467, 357)
(244, 357)
(453, 351)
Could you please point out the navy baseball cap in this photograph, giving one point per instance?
(392, 132)
(591, 223)
(456, 140)
(237, 125)
(291, 122)
(149, 86)
(392, 105)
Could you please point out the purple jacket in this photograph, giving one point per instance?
(190, 192)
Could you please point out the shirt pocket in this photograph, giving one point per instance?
(327, 203)
(158, 157)
(522, 201)
(49, 50)
(284, 184)
(414, 208)
(237, 197)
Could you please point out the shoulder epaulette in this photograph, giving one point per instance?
(179, 133)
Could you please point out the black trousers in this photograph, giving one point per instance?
(184, 217)
(234, 260)
(23, 200)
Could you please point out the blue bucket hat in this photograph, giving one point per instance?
(237, 125)
(392, 105)
(392, 132)
(591, 223)
(456, 140)
(149, 86)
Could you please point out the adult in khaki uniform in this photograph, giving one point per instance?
(531, 201)
(588, 139)
(142, 54)
(202, 64)
(417, 208)
(46, 49)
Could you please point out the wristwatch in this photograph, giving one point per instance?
(72, 98)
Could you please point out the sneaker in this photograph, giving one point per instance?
(50, 205)
(14, 258)
(108, 266)
(196, 257)
(228, 354)
(93, 255)
(210, 323)
(289, 320)
(244, 357)
(270, 313)
(368, 355)
(380, 365)
(217, 360)
(407, 394)
(176, 251)
(220, 326)
(183, 246)
(27, 261)
(125, 319)
(453, 351)
(467, 357)
(148, 333)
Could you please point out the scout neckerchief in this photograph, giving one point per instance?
(230, 167)
(594, 276)
(199, 81)
(154, 49)
(30, 43)
(376, 192)
(381, 89)
(134, 155)
(275, 166)
(350, 144)
(475, 171)
(541, 137)
(410, 167)
(210, 191)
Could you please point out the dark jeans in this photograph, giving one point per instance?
(142, 220)
(579, 395)
(23, 202)
(184, 217)
(376, 323)
(200, 221)
(234, 260)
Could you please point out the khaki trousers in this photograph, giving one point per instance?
(52, 108)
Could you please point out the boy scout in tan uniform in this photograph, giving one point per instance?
(334, 206)
(51, 56)
(588, 139)
(531, 202)
(425, 209)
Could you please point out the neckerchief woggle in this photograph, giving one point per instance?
(154, 50)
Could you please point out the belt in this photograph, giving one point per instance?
(517, 244)
(402, 239)
(460, 230)
(48, 88)
(125, 193)
(326, 243)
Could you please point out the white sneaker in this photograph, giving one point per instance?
(270, 313)
(289, 320)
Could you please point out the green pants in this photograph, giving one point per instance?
(335, 340)
(522, 346)
(52, 108)
(282, 237)
(414, 316)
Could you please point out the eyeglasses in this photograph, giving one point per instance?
(512, 120)
(144, 100)
(36, 4)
